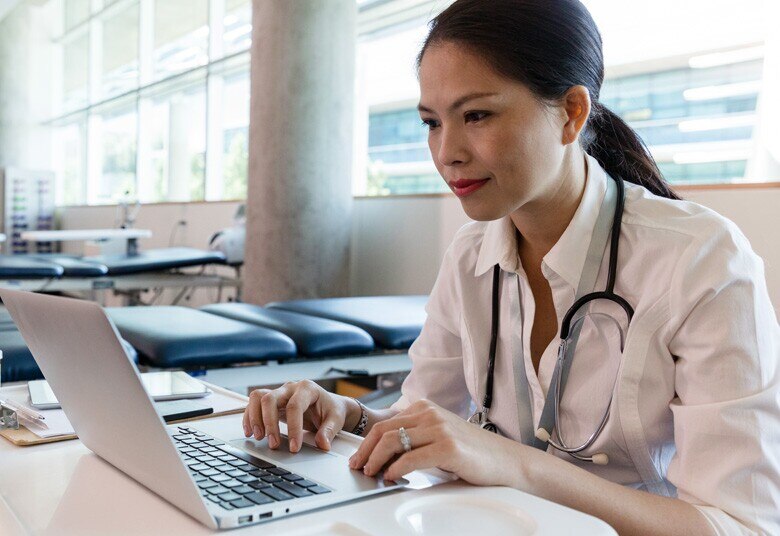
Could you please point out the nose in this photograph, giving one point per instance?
(452, 148)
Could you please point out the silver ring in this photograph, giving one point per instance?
(405, 441)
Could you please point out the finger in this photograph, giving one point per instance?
(360, 457)
(419, 458)
(269, 404)
(390, 445)
(301, 399)
(330, 426)
(253, 416)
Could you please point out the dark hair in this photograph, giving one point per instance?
(551, 46)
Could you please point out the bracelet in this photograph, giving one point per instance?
(361, 425)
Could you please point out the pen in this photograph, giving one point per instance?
(24, 413)
(349, 372)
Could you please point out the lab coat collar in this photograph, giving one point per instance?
(567, 256)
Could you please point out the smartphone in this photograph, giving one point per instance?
(163, 385)
(174, 410)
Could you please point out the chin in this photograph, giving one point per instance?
(481, 212)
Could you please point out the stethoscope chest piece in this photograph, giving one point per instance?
(480, 419)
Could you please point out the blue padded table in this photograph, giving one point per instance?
(393, 321)
(169, 336)
(18, 363)
(313, 336)
(152, 260)
(24, 267)
(72, 265)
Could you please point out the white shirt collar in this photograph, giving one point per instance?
(567, 256)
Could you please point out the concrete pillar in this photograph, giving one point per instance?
(299, 199)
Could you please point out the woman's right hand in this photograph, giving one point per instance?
(302, 404)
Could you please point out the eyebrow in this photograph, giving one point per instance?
(459, 102)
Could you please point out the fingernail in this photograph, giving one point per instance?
(258, 433)
(272, 441)
(246, 431)
(293, 445)
(352, 462)
(365, 470)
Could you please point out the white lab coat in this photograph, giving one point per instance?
(696, 408)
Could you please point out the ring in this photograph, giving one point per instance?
(405, 441)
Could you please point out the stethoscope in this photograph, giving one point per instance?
(549, 420)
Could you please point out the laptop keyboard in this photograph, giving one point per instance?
(234, 479)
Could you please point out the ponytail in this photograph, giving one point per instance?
(621, 152)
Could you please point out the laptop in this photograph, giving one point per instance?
(223, 482)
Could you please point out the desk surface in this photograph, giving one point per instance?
(58, 235)
(63, 488)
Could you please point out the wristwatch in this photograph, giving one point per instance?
(361, 425)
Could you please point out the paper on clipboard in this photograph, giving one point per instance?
(58, 424)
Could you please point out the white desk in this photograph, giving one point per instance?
(85, 234)
(62, 488)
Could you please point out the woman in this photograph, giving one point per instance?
(675, 367)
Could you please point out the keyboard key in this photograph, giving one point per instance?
(278, 471)
(257, 462)
(235, 473)
(226, 505)
(215, 463)
(277, 494)
(219, 490)
(209, 450)
(259, 498)
(245, 467)
(271, 479)
(227, 458)
(242, 503)
(206, 484)
(259, 484)
(318, 490)
(292, 477)
(187, 450)
(246, 479)
(209, 472)
(198, 466)
(205, 458)
(214, 498)
(232, 483)
(190, 440)
(258, 473)
(230, 496)
(235, 462)
(305, 483)
(243, 490)
(220, 478)
(213, 442)
(199, 478)
(293, 489)
(198, 444)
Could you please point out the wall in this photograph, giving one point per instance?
(398, 243)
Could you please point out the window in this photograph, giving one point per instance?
(152, 100)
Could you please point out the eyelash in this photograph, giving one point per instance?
(432, 123)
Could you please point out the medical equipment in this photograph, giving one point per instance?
(570, 330)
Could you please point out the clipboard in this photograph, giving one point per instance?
(25, 438)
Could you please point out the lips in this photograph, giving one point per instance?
(464, 187)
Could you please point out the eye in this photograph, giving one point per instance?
(430, 123)
(473, 117)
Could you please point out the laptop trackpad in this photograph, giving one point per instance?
(282, 453)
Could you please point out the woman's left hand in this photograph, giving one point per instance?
(439, 439)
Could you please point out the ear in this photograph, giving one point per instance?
(576, 105)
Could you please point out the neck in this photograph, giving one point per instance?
(542, 221)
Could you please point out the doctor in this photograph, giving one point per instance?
(651, 404)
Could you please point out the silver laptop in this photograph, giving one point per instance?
(222, 484)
